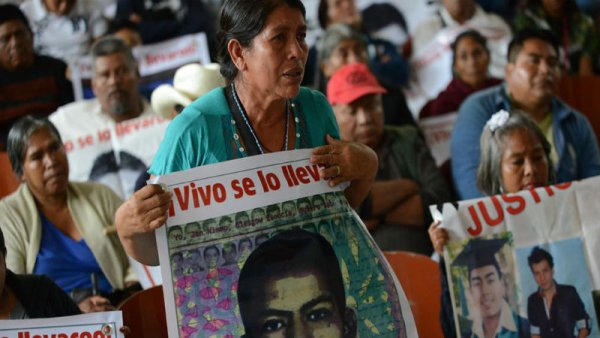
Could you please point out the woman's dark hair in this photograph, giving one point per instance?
(18, 139)
(243, 20)
(9, 12)
(475, 36)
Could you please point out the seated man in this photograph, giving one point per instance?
(29, 83)
(113, 137)
(30, 296)
(531, 80)
(407, 181)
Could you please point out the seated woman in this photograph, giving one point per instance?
(470, 63)
(515, 156)
(58, 228)
(30, 296)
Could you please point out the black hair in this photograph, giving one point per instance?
(18, 139)
(516, 44)
(2, 244)
(496, 266)
(210, 247)
(473, 34)
(381, 15)
(287, 253)
(116, 25)
(245, 240)
(243, 20)
(9, 12)
(106, 163)
(537, 255)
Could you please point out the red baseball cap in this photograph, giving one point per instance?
(352, 82)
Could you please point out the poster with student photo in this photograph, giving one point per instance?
(483, 284)
(552, 266)
(256, 263)
(567, 216)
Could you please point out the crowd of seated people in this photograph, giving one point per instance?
(55, 224)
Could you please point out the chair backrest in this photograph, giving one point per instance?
(419, 276)
(579, 92)
(8, 181)
(144, 313)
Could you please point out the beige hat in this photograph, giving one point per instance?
(189, 83)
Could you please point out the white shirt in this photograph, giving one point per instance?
(129, 146)
(64, 37)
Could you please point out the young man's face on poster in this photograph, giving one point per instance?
(543, 274)
(298, 306)
(487, 290)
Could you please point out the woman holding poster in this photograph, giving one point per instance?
(515, 156)
(262, 109)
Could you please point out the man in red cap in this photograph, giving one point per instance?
(407, 181)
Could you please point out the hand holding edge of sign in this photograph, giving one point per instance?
(347, 162)
(438, 236)
(138, 218)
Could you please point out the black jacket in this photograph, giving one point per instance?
(40, 297)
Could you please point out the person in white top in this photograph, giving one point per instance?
(113, 137)
(454, 16)
(64, 29)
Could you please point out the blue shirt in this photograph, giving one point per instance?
(67, 262)
(203, 133)
(574, 139)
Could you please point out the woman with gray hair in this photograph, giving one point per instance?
(59, 228)
(515, 156)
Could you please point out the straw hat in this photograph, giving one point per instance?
(189, 83)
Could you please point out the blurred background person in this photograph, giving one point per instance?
(407, 180)
(64, 29)
(340, 45)
(384, 59)
(515, 156)
(58, 228)
(160, 20)
(574, 29)
(466, 14)
(470, 62)
(30, 83)
(127, 31)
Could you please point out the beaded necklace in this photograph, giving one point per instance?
(251, 130)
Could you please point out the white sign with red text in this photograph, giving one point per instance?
(91, 325)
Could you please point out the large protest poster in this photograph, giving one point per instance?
(91, 325)
(263, 244)
(506, 251)
(157, 63)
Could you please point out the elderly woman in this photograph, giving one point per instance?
(470, 63)
(262, 109)
(58, 228)
(340, 45)
(515, 156)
